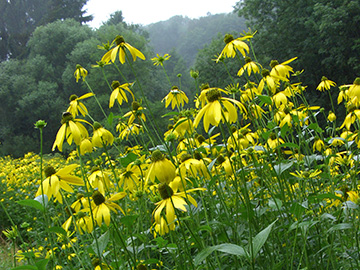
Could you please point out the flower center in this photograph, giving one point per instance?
(119, 40)
(213, 95)
(98, 197)
(228, 38)
(157, 156)
(73, 97)
(273, 63)
(49, 171)
(165, 191)
(115, 84)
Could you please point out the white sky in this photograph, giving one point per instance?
(150, 11)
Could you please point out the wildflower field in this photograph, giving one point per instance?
(246, 177)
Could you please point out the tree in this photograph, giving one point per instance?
(324, 35)
(19, 18)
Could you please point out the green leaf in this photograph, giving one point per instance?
(110, 119)
(102, 242)
(226, 248)
(315, 127)
(129, 221)
(32, 203)
(320, 197)
(170, 114)
(284, 130)
(58, 230)
(275, 203)
(41, 265)
(297, 209)
(281, 167)
(341, 226)
(127, 159)
(260, 239)
(25, 267)
(265, 99)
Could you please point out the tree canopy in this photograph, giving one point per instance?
(19, 18)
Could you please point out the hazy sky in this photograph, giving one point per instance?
(150, 11)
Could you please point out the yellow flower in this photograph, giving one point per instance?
(232, 45)
(100, 180)
(271, 82)
(86, 146)
(281, 71)
(130, 178)
(101, 136)
(331, 117)
(126, 130)
(318, 145)
(176, 97)
(103, 206)
(273, 141)
(218, 109)
(118, 93)
(249, 66)
(354, 89)
(135, 113)
(161, 169)
(170, 201)
(159, 60)
(325, 84)
(71, 129)
(120, 47)
(307, 174)
(80, 72)
(58, 180)
(76, 106)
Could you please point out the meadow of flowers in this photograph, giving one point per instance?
(246, 177)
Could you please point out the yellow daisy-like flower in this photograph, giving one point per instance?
(118, 93)
(354, 89)
(126, 130)
(80, 72)
(325, 84)
(101, 136)
(76, 106)
(170, 201)
(218, 109)
(232, 45)
(281, 71)
(71, 129)
(58, 180)
(120, 48)
(103, 206)
(176, 97)
(161, 168)
(130, 177)
(273, 141)
(135, 113)
(318, 145)
(271, 82)
(100, 180)
(159, 60)
(250, 66)
(331, 117)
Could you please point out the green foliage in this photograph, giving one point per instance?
(19, 18)
(190, 35)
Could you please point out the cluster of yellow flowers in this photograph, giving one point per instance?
(265, 129)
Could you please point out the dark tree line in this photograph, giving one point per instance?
(19, 18)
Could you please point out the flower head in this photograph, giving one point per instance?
(80, 72)
(104, 205)
(176, 97)
(161, 168)
(101, 136)
(120, 48)
(77, 106)
(325, 84)
(218, 109)
(232, 45)
(71, 129)
(118, 93)
(55, 181)
(159, 60)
